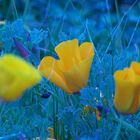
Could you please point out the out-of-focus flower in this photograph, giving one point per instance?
(127, 93)
(50, 129)
(15, 77)
(2, 22)
(98, 117)
(101, 111)
(71, 71)
(88, 109)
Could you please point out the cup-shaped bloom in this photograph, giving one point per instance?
(71, 71)
(136, 68)
(15, 77)
(126, 98)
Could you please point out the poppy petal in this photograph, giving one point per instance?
(86, 50)
(68, 52)
(49, 68)
(77, 77)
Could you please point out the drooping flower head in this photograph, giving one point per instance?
(15, 77)
(127, 93)
(71, 71)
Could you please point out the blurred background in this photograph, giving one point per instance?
(71, 18)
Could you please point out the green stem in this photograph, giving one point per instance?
(26, 8)
(54, 128)
(109, 17)
(15, 9)
(56, 119)
(57, 98)
(63, 131)
(118, 132)
(69, 135)
(55, 115)
(117, 10)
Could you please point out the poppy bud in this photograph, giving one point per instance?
(23, 51)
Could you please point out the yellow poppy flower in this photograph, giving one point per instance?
(71, 71)
(136, 68)
(127, 92)
(15, 77)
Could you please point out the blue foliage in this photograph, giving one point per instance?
(33, 29)
(27, 37)
(10, 31)
(38, 35)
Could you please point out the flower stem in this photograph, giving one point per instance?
(118, 132)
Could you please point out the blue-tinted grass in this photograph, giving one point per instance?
(113, 27)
